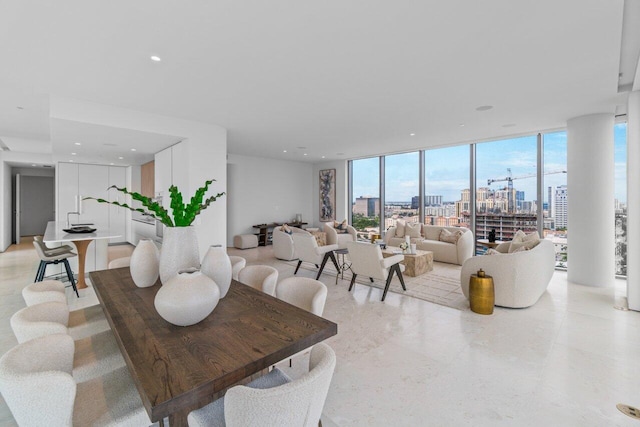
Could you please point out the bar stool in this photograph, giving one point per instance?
(53, 257)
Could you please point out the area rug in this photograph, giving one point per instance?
(440, 286)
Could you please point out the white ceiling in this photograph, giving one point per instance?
(353, 77)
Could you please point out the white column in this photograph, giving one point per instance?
(633, 200)
(590, 200)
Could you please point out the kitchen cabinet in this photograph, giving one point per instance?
(117, 215)
(171, 168)
(143, 230)
(147, 179)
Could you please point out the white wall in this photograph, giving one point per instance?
(633, 200)
(262, 190)
(342, 193)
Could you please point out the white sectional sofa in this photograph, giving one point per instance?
(452, 253)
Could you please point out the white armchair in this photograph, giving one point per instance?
(340, 239)
(283, 247)
(519, 278)
(308, 250)
(367, 260)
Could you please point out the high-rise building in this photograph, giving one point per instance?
(551, 213)
(428, 201)
(367, 206)
(560, 207)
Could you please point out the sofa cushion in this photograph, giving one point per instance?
(412, 230)
(442, 252)
(400, 229)
(518, 246)
(522, 240)
(430, 232)
(448, 236)
(518, 237)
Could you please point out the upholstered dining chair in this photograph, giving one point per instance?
(120, 262)
(308, 250)
(237, 264)
(37, 384)
(273, 399)
(367, 260)
(45, 291)
(48, 256)
(260, 277)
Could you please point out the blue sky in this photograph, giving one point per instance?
(447, 169)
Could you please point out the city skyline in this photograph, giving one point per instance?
(447, 169)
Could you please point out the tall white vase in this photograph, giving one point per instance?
(217, 265)
(145, 263)
(179, 251)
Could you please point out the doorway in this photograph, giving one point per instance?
(33, 201)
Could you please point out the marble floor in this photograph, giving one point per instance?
(567, 361)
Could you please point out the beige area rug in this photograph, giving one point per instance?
(440, 286)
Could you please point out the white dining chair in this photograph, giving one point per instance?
(237, 264)
(45, 291)
(119, 262)
(273, 399)
(260, 277)
(37, 384)
(38, 320)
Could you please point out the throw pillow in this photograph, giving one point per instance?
(518, 237)
(400, 228)
(286, 229)
(521, 249)
(531, 237)
(449, 237)
(522, 246)
(412, 230)
(492, 251)
(340, 225)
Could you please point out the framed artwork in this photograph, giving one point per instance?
(327, 195)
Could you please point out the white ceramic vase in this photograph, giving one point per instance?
(145, 263)
(217, 266)
(187, 298)
(179, 251)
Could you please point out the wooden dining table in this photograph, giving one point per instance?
(178, 369)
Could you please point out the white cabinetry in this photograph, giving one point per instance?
(162, 173)
(117, 215)
(172, 168)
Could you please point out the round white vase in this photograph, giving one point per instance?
(145, 263)
(179, 251)
(217, 266)
(187, 298)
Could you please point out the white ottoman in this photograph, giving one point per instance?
(245, 241)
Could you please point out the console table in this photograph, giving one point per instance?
(264, 233)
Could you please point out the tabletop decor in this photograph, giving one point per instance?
(179, 243)
(144, 265)
(216, 264)
(187, 298)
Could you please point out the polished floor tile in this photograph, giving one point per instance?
(406, 362)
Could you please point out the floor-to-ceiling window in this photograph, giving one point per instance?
(620, 158)
(556, 194)
(446, 186)
(401, 188)
(365, 178)
(506, 187)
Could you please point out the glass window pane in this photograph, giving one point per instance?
(366, 195)
(447, 186)
(556, 194)
(506, 191)
(620, 157)
(401, 188)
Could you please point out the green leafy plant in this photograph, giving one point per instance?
(183, 214)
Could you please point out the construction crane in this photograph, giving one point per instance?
(510, 180)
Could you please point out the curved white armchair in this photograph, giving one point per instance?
(36, 383)
(260, 277)
(340, 239)
(367, 260)
(45, 291)
(303, 292)
(283, 247)
(519, 278)
(274, 400)
(237, 264)
(308, 250)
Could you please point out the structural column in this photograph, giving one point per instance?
(633, 200)
(590, 200)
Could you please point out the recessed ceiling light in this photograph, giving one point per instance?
(133, 149)
(284, 151)
(156, 58)
(509, 125)
(484, 107)
(111, 164)
(461, 125)
(120, 157)
(73, 154)
(71, 161)
(305, 154)
(412, 134)
(323, 157)
(77, 143)
(33, 164)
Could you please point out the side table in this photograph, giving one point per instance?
(343, 264)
